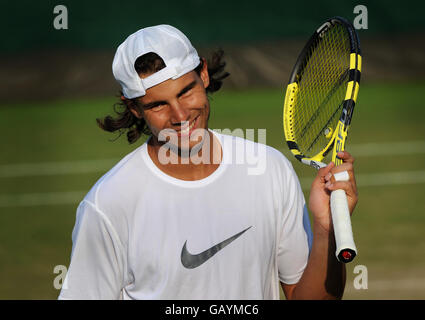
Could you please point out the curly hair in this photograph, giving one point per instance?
(126, 121)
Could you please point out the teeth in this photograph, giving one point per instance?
(188, 128)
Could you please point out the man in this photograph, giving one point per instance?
(180, 217)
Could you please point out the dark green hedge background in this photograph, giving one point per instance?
(27, 25)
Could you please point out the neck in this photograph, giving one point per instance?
(194, 163)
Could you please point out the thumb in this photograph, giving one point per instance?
(324, 171)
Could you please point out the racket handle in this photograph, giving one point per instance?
(345, 248)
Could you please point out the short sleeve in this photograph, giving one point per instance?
(295, 232)
(97, 267)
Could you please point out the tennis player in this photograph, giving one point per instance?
(181, 217)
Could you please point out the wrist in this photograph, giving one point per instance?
(322, 230)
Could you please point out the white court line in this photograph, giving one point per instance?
(381, 149)
(103, 165)
(73, 197)
(41, 199)
(56, 168)
(387, 149)
(380, 179)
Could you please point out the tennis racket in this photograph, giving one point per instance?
(319, 103)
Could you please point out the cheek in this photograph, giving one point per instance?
(155, 121)
(195, 102)
(198, 99)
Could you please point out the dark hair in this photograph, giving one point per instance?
(146, 64)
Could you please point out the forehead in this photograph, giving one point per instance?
(169, 88)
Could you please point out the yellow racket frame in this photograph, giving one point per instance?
(340, 132)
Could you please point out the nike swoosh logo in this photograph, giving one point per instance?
(191, 261)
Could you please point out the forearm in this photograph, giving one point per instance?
(324, 276)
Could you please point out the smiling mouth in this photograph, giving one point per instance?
(187, 129)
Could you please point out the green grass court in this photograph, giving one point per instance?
(48, 162)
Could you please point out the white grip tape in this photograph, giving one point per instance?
(342, 176)
(341, 217)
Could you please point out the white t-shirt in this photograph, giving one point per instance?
(142, 234)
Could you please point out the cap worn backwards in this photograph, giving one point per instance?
(179, 56)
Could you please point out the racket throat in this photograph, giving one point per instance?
(313, 163)
(340, 137)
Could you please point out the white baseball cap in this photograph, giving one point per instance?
(179, 56)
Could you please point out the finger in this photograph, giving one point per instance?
(325, 172)
(348, 161)
(345, 156)
(352, 196)
(341, 168)
(347, 186)
(330, 177)
(346, 166)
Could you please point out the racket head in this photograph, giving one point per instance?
(322, 92)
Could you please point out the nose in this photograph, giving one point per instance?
(179, 113)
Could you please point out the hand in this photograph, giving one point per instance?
(324, 184)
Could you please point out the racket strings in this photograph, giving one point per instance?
(321, 89)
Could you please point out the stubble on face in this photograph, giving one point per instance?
(177, 113)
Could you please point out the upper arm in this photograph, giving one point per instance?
(97, 267)
(288, 290)
(294, 233)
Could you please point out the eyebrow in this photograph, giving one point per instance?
(182, 92)
(187, 88)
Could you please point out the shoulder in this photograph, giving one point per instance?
(111, 199)
(110, 193)
(243, 149)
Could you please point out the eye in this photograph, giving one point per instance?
(186, 93)
(158, 107)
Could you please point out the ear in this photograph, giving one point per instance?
(204, 74)
(132, 106)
